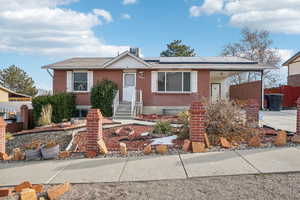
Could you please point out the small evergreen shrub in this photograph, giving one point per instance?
(63, 106)
(184, 118)
(102, 97)
(162, 127)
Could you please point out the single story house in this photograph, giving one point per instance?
(293, 65)
(7, 95)
(150, 85)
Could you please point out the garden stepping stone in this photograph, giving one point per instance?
(162, 149)
(224, 143)
(280, 139)
(102, 147)
(24, 185)
(28, 194)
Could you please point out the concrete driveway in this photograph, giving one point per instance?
(285, 119)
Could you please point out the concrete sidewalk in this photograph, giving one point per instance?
(284, 120)
(146, 168)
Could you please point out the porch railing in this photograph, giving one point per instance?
(133, 103)
(116, 102)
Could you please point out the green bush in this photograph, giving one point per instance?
(162, 127)
(102, 96)
(63, 106)
(184, 118)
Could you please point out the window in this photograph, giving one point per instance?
(174, 81)
(80, 81)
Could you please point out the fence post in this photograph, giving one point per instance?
(2, 135)
(25, 116)
(197, 121)
(94, 129)
(252, 112)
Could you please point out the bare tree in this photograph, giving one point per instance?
(255, 46)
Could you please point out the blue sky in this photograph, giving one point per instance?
(38, 32)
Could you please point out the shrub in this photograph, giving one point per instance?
(184, 118)
(46, 114)
(224, 119)
(9, 136)
(162, 127)
(102, 96)
(63, 106)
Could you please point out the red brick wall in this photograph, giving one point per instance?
(252, 111)
(94, 129)
(298, 117)
(159, 99)
(149, 98)
(197, 122)
(245, 91)
(294, 80)
(2, 135)
(14, 127)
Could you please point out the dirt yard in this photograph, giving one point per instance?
(265, 187)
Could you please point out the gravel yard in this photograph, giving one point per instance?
(272, 186)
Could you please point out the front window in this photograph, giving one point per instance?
(174, 81)
(80, 81)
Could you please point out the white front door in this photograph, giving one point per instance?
(129, 82)
(215, 92)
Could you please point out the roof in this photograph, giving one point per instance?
(13, 92)
(14, 106)
(216, 62)
(286, 63)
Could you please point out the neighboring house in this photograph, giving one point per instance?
(152, 85)
(293, 65)
(7, 95)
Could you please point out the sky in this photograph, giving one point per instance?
(34, 33)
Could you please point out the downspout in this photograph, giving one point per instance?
(262, 89)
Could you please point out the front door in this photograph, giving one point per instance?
(215, 92)
(129, 83)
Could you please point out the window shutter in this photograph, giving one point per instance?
(194, 81)
(154, 81)
(69, 81)
(90, 80)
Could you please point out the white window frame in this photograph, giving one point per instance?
(80, 91)
(182, 82)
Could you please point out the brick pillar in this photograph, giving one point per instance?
(24, 116)
(94, 129)
(298, 116)
(252, 112)
(197, 121)
(2, 135)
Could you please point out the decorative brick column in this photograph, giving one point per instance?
(197, 121)
(252, 112)
(2, 135)
(94, 129)
(298, 116)
(24, 116)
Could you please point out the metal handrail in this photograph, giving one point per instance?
(116, 102)
(133, 101)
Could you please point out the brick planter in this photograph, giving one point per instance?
(298, 116)
(94, 129)
(2, 135)
(252, 112)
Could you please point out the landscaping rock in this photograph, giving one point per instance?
(50, 151)
(91, 154)
(280, 139)
(102, 147)
(58, 190)
(28, 194)
(24, 185)
(64, 154)
(38, 187)
(148, 150)
(18, 154)
(162, 149)
(33, 154)
(123, 149)
(4, 156)
(296, 139)
(186, 145)
(4, 192)
(254, 141)
(224, 143)
(206, 141)
(198, 147)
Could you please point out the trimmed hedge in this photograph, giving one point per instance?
(102, 96)
(63, 106)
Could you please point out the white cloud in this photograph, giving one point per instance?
(276, 16)
(209, 7)
(125, 16)
(105, 14)
(285, 54)
(126, 2)
(41, 27)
